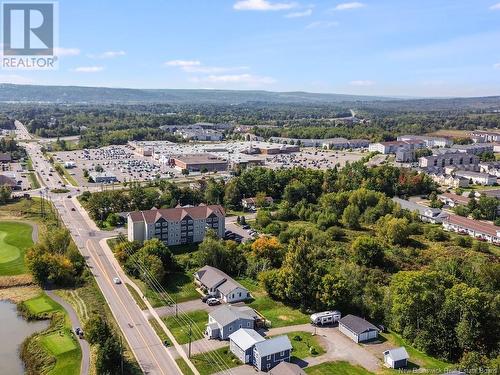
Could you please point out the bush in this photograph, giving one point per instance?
(464, 241)
(436, 234)
(482, 247)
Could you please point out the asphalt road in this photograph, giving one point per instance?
(149, 351)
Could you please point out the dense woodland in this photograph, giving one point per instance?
(335, 239)
(380, 120)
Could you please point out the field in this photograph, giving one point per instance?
(305, 345)
(181, 331)
(337, 368)
(206, 365)
(276, 312)
(15, 239)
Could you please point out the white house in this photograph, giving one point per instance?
(477, 178)
(220, 285)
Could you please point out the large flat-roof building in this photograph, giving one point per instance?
(439, 161)
(175, 226)
(199, 162)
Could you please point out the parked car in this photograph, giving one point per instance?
(213, 302)
(246, 226)
(79, 332)
(205, 298)
(73, 209)
(117, 280)
(69, 196)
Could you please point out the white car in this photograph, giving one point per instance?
(117, 280)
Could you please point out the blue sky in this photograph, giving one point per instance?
(374, 47)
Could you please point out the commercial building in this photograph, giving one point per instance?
(176, 226)
(392, 147)
(430, 142)
(102, 177)
(198, 162)
(474, 228)
(439, 161)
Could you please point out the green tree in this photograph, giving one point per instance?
(350, 217)
(367, 251)
(97, 329)
(5, 194)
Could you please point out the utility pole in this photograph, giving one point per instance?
(189, 348)
(121, 354)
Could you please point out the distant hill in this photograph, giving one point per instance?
(103, 95)
(80, 94)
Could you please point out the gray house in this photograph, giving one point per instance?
(396, 358)
(357, 329)
(227, 319)
(269, 353)
(241, 343)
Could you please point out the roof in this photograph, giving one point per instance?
(273, 345)
(6, 180)
(473, 174)
(252, 200)
(199, 159)
(455, 197)
(4, 156)
(227, 314)
(411, 206)
(177, 213)
(245, 338)
(476, 225)
(287, 368)
(356, 324)
(397, 354)
(212, 277)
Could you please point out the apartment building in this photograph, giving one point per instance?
(439, 161)
(175, 226)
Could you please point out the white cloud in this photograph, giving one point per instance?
(362, 82)
(15, 79)
(182, 63)
(59, 51)
(108, 55)
(496, 66)
(262, 5)
(348, 6)
(305, 13)
(322, 25)
(495, 6)
(88, 69)
(236, 78)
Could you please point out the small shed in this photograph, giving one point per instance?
(396, 358)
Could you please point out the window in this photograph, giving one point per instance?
(239, 294)
(268, 358)
(241, 325)
(451, 161)
(230, 328)
(282, 353)
(268, 366)
(248, 324)
(461, 161)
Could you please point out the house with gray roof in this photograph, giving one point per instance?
(220, 285)
(357, 329)
(396, 358)
(426, 214)
(269, 353)
(241, 343)
(227, 319)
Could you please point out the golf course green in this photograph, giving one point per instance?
(15, 239)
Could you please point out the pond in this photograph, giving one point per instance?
(13, 330)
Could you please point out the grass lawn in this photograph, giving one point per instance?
(416, 356)
(180, 330)
(159, 331)
(58, 343)
(142, 305)
(206, 365)
(15, 238)
(65, 175)
(179, 286)
(186, 370)
(337, 368)
(42, 305)
(305, 345)
(276, 312)
(33, 180)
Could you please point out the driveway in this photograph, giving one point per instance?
(184, 307)
(75, 322)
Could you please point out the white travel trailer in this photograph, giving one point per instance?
(325, 317)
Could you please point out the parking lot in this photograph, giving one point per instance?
(127, 162)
